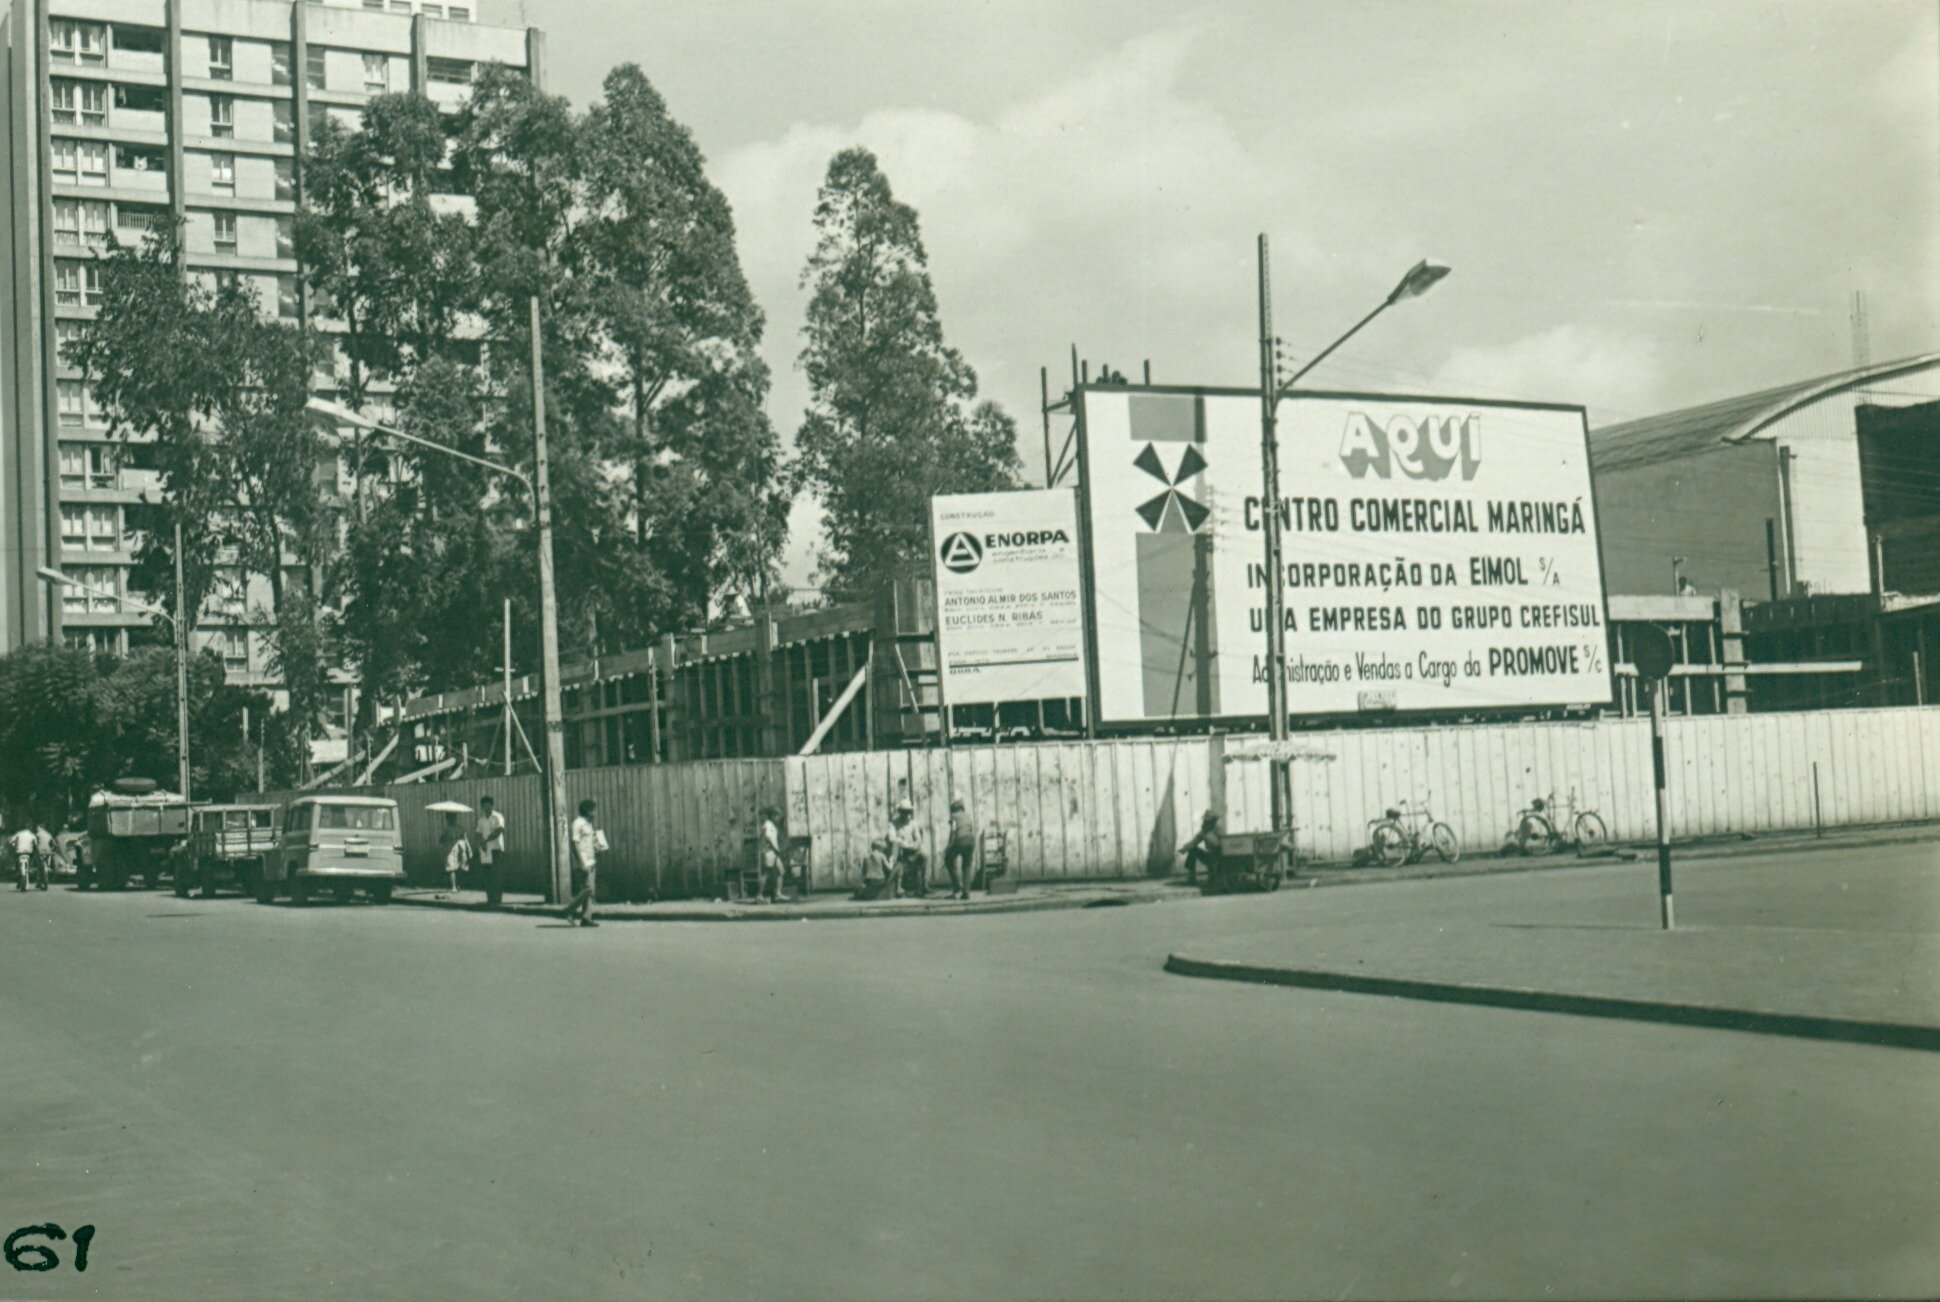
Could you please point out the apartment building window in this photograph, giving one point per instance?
(286, 301)
(78, 103)
(235, 649)
(316, 68)
(68, 333)
(222, 58)
(90, 528)
(95, 641)
(458, 13)
(374, 4)
(75, 42)
(225, 600)
(138, 219)
(71, 396)
(225, 223)
(140, 158)
(377, 73)
(147, 99)
(77, 284)
(222, 117)
(285, 179)
(80, 162)
(100, 593)
(279, 63)
(90, 465)
(431, 10)
(139, 40)
(80, 222)
(401, 6)
(222, 173)
(285, 237)
(449, 72)
(282, 122)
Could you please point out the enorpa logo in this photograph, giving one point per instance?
(1428, 448)
(960, 553)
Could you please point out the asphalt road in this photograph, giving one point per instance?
(364, 1102)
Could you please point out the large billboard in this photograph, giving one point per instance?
(1438, 555)
(1009, 613)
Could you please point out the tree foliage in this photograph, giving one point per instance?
(212, 396)
(71, 722)
(893, 416)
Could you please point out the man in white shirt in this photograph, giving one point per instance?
(23, 853)
(489, 838)
(588, 842)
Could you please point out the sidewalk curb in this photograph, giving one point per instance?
(1104, 897)
(771, 913)
(1893, 1035)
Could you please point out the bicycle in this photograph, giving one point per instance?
(1539, 827)
(1407, 832)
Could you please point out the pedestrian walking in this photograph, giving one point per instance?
(769, 850)
(23, 854)
(43, 854)
(488, 838)
(960, 853)
(588, 844)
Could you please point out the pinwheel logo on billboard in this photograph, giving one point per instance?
(1009, 615)
(1439, 555)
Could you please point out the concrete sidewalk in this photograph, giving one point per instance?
(1760, 950)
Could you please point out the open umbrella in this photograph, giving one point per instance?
(447, 807)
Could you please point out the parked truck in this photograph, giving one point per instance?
(133, 828)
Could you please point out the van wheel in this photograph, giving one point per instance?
(340, 893)
(265, 888)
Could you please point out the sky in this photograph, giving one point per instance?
(1646, 205)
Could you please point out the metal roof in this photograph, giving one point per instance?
(1690, 430)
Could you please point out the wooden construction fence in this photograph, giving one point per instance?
(1078, 810)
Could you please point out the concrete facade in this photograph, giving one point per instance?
(122, 114)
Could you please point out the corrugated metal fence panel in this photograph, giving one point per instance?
(1121, 808)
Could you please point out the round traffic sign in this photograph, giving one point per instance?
(1650, 651)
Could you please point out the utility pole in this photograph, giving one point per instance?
(1276, 633)
(181, 669)
(507, 720)
(556, 828)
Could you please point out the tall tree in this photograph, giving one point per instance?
(892, 416)
(683, 330)
(213, 396)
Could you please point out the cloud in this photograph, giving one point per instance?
(1615, 374)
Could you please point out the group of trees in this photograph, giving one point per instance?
(70, 723)
(425, 238)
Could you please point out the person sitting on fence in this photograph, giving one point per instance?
(912, 865)
(1204, 848)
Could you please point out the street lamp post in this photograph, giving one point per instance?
(1420, 279)
(559, 879)
(177, 625)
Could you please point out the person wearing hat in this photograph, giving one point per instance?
(912, 867)
(960, 854)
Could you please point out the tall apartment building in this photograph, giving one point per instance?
(121, 114)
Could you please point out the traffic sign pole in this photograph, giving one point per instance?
(1666, 911)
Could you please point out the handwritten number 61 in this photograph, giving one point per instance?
(38, 1256)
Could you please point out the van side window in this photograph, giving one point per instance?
(299, 819)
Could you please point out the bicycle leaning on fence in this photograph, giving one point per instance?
(1408, 832)
(1547, 826)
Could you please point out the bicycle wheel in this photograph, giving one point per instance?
(1443, 837)
(1534, 835)
(1389, 842)
(1591, 834)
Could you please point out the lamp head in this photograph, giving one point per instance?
(1421, 278)
(337, 412)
